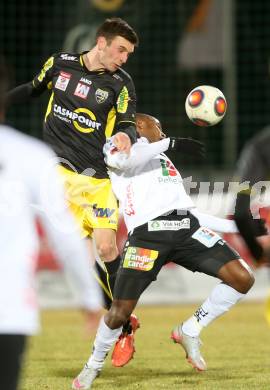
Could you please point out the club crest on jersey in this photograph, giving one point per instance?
(62, 81)
(82, 90)
(168, 168)
(101, 95)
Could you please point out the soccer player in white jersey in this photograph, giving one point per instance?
(163, 225)
(23, 163)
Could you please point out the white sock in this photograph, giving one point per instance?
(105, 338)
(221, 299)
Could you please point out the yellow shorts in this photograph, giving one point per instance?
(91, 200)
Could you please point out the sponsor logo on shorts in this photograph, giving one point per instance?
(206, 237)
(140, 259)
(101, 95)
(154, 226)
(101, 212)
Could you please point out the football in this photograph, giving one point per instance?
(205, 105)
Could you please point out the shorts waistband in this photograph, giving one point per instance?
(176, 212)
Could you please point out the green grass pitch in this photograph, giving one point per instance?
(236, 349)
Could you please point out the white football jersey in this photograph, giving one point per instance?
(30, 185)
(148, 185)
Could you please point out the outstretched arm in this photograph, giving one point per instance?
(217, 224)
(22, 93)
(36, 87)
(140, 153)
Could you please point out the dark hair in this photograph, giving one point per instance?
(4, 81)
(117, 26)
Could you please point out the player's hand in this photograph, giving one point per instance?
(260, 228)
(187, 146)
(122, 142)
(92, 320)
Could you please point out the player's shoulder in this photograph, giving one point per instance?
(122, 76)
(24, 146)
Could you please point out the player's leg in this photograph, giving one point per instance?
(109, 330)
(237, 279)
(132, 279)
(110, 326)
(101, 220)
(105, 240)
(236, 283)
(100, 274)
(224, 263)
(98, 222)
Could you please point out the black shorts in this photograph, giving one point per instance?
(174, 238)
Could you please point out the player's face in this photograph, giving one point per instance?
(115, 53)
(152, 130)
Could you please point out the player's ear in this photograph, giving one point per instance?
(139, 123)
(139, 126)
(101, 43)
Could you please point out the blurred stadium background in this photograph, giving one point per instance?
(183, 44)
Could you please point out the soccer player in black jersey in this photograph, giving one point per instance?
(253, 167)
(92, 97)
(253, 170)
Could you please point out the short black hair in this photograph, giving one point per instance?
(117, 26)
(4, 82)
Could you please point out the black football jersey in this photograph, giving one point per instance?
(84, 109)
(254, 162)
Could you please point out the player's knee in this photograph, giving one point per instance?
(116, 317)
(107, 250)
(243, 281)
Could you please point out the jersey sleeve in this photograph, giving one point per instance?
(36, 87)
(217, 224)
(140, 154)
(42, 80)
(126, 106)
